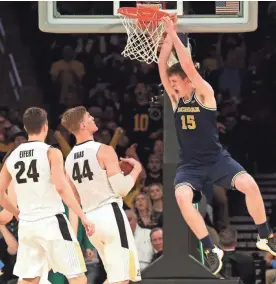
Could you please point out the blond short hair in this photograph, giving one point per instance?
(72, 118)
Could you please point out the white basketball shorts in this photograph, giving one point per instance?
(51, 243)
(115, 243)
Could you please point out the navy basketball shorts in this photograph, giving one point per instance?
(223, 173)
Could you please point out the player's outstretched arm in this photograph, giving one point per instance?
(186, 61)
(63, 187)
(5, 180)
(163, 59)
(120, 184)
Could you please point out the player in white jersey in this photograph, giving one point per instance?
(96, 176)
(45, 236)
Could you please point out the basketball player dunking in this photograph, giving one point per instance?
(98, 180)
(201, 155)
(46, 238)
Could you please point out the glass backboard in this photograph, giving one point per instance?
(101, 16)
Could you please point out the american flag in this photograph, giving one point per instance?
(227, 7)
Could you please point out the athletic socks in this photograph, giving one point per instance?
(207, 243)
(264, 230)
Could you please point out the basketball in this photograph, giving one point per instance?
(125, 167)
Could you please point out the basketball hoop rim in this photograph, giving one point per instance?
(143, 13)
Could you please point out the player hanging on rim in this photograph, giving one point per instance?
(96, 177)
(45, 236)
(201, 154)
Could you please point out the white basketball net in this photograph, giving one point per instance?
(144, 39)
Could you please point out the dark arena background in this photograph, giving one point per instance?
(235, 51)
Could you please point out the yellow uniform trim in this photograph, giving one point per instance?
(235, 176)
(132, 266)
(203, 106)
(80, 257)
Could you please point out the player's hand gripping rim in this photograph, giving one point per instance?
(170, 25)
(173, 17)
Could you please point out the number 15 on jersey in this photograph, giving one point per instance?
(188, 122)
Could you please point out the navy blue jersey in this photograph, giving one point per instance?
(196, 131)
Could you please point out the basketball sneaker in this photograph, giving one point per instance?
(267, 244)
(214, 259)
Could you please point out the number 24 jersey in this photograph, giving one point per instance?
(29, 167)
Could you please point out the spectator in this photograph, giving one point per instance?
(8, 249)
(19, 137)
(143, 209)
(154, 167)
(221, 203)
(158, 148)
(106, 136)
(156, 195)
(68, 73)
(131, 153)
(236, 264)
(142, 240)
(270, 273)
(156, 237)
(212, 61)
(96, 111)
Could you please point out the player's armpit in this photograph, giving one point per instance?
(189, 68)
(167, 85)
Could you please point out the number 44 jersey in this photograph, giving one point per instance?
(89, 178)
(29, 167)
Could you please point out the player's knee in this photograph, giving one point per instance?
(246, 184)
(184, 194)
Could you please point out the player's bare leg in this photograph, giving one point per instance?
(30, 280)
(184, 196)
(78, 280)
(255, 205)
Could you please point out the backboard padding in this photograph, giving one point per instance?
(112, 24)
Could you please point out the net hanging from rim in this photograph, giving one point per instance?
(144, 30)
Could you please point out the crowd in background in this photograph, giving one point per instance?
(89, 70)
